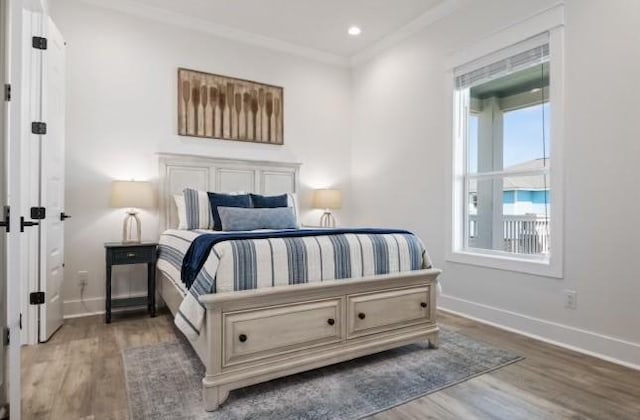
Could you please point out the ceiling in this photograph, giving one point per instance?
(319, 25)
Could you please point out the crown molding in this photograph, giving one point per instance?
(431, 16)
(177, 19)
(132, 7)
(532, 25)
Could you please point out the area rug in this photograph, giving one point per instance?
(164, 382)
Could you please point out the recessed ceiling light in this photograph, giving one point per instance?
(354, 31)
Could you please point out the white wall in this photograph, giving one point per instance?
(393, 110)
(121, 109)
(400, 146)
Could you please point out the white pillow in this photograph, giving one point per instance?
(292, 201)
(182, 211)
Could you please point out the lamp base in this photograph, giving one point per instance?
(327, 220)
(127, 234)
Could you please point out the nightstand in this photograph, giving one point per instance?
(118, 253)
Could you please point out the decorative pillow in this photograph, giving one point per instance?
(197, 210)
(217, 200)
(269, 201)
(182, 211)
(283, 200)
(235, 218)
(292, 201)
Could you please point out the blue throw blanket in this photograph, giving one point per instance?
(201, 247)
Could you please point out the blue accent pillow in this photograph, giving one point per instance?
(226, 200)
(234, 218)
(269, 201)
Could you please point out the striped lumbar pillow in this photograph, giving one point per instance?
(198, 210)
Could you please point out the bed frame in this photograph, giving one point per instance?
(257, 335)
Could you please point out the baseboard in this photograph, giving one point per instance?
(611, 349)
(92, 306)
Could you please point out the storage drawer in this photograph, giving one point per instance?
(379, 311)
(133, 255)
(266, 332)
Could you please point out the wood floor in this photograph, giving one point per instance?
(79, 375)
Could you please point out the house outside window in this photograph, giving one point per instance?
(504, 136)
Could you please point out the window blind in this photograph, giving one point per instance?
(512, 59)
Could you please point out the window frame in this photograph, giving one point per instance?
(550, 21)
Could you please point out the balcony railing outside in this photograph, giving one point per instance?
(526, 234)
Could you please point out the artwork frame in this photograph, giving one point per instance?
(254, 115)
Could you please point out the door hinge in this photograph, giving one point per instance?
(39, 127)
(38, 213)
(36, 298)
(39, 43)
(6, 221)
(7, 92)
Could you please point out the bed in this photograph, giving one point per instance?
(285, 320)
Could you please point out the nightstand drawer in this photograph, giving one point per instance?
(134, 255)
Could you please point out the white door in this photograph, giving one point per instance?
(52, 182)
(16, 120)
(3, 203)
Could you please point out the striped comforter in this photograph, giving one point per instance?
(244, 264)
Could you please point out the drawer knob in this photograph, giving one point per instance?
(361, 315)
(423, 304)
(242, 338)
(331, 321)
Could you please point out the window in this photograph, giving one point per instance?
(503, 189)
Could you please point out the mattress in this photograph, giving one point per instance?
(235, 261)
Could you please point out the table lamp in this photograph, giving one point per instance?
(327, 199)
(132, 195)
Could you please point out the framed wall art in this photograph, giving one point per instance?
(221, 107)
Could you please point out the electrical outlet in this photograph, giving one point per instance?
(570, 299)
(83, 278)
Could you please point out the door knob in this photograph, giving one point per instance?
(64, 216)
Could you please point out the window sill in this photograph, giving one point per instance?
(538, 267)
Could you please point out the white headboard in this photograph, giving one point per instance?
(178, 172)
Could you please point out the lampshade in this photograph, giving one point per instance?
(132, 194)
(327, 199)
